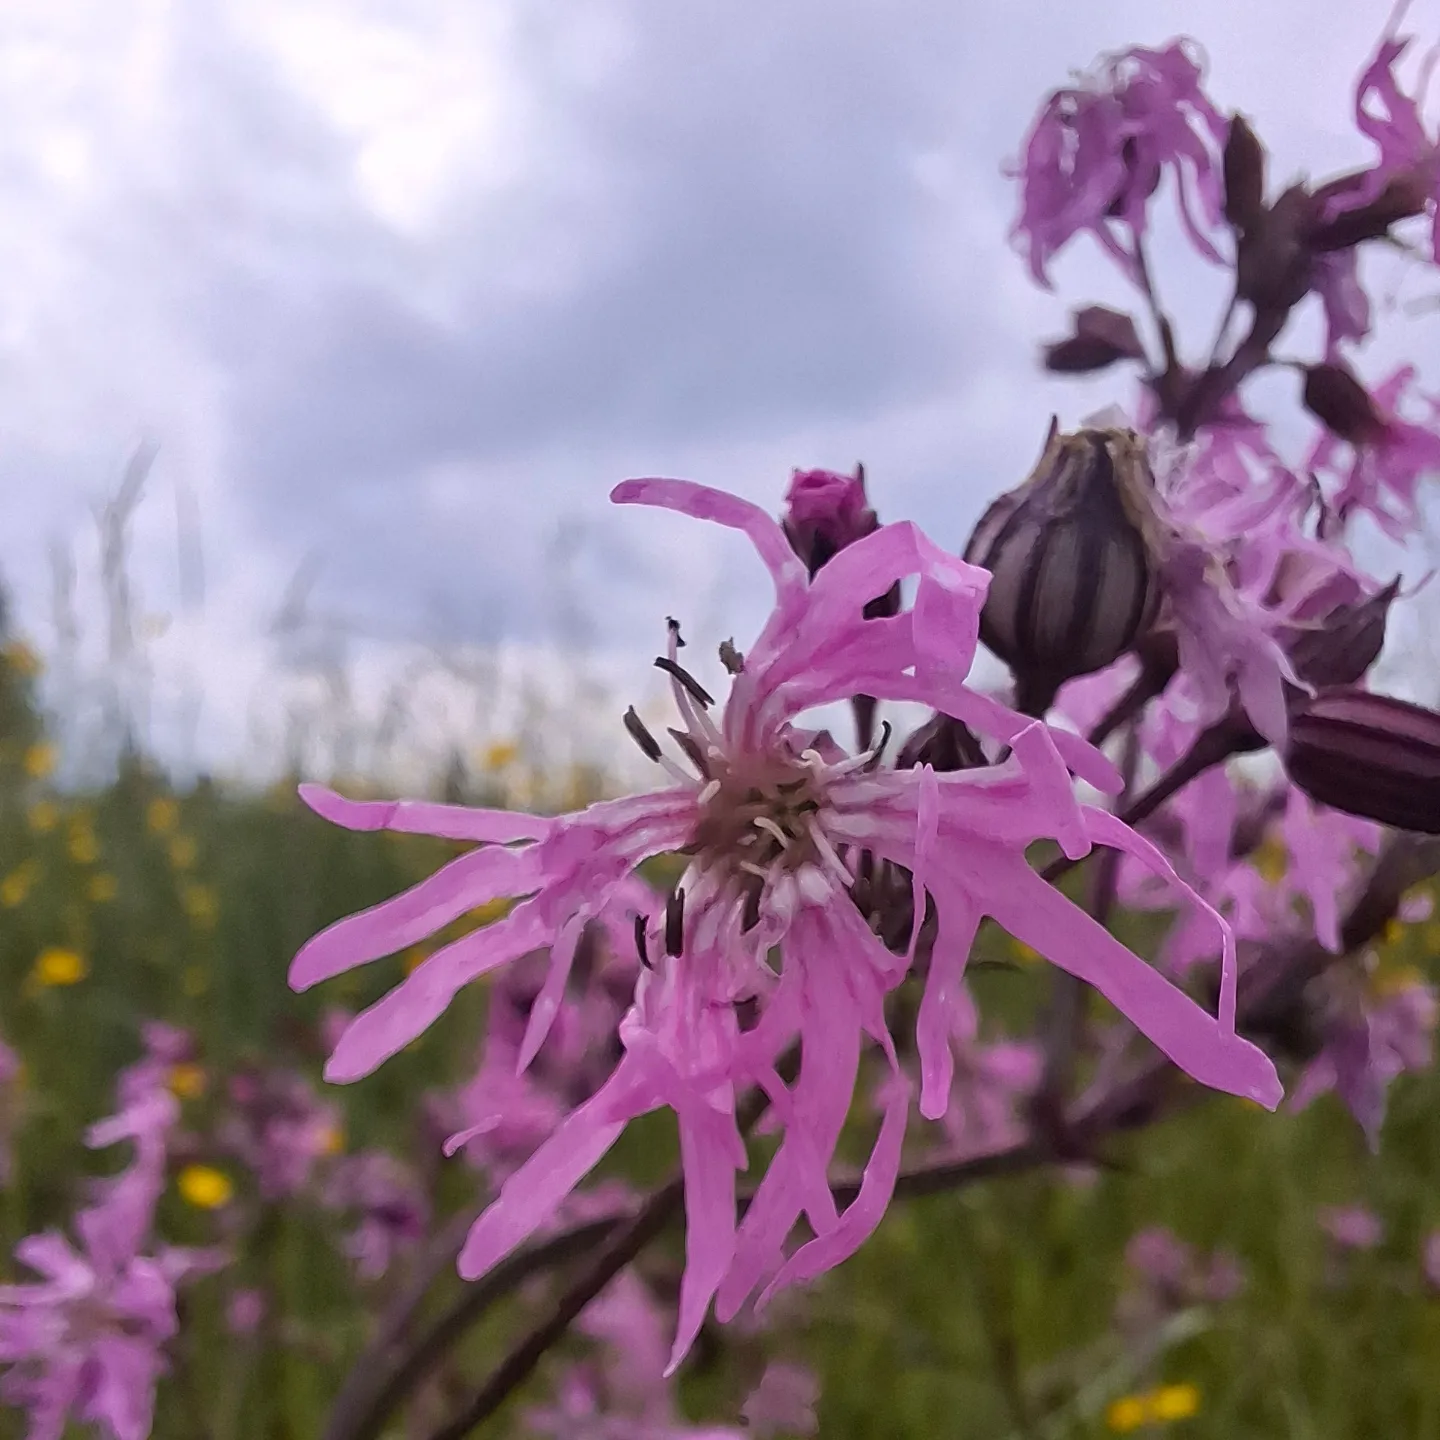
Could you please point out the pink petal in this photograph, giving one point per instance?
(419, 817)
(454, 890)
(530, 1198)
(863, 1214)
(958, 921)
(1040, 916)
(706, 1153)
(396, 1019)
(552, 992)
(703, 503)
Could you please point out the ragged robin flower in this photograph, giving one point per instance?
(774, 818)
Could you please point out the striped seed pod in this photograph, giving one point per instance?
(1071, 555)
(1369, 755)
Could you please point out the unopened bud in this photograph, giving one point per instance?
(825, 512)
(1341, 648)
(1404, 195)
(942, 743)
(1100, 337)
(1274, 264)
(1073, 583)
(1369, 755)
(1342, 404)
(1244, 171)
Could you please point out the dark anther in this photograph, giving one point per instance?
(873, 763)
(731, 658)
(641, 948)
(674, 627)
(691, 746)
(641, 736)
(675, 923)
(697, 691)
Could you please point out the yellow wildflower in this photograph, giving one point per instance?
(499, 755)
(331, 1140)
(1025, 954)
(182, 852)
(43, 816)
(195, 981)
(1156, 1407)
(200, 905)
(101, 888)
(1174, 1402)
(22, 659)
(414, 958)
(40, 760)
(1127, 1413)
(187, 1081)
(81, 844)
(162, 815)
(56, 965)
(16, 885)
(1394, 931)
(205, 1187)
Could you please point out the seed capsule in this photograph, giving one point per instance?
(1070, 552)
(1369, 755)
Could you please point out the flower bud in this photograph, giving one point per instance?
(943, 744)
(1071, 555)
(1244, 172)
(1100, 336)
(1346, 644)
(1369, 755)
(825, 512)
(1342, 404)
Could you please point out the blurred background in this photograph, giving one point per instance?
(325, 330)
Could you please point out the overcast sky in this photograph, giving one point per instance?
(405, 286)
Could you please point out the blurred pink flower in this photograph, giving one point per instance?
(769, 816)
(389, 1210)
(1351, 1227)
(1095, 155)
(1370, 1041)
(279, 1128)
(1430, 1260)
(86, 1341)
(244, 1311)
(783, 1403)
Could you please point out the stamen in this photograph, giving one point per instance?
(693, 687)
(691, 746)
(674, 626)
(641, 735)
(758, 871)
(873, 763)
(642, 949)
(764, 822)
(708, 793)
(675, 923)
(731, 658)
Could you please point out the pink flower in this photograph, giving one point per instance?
(1352, 1227)
(1370, 1041)
(1392, 119)
(783, 1403)
(1382, 476)
(774, 819)
(279, 1128)
(86, 1341)
(244, 1311)
(1095, 155)
(390, 1212)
